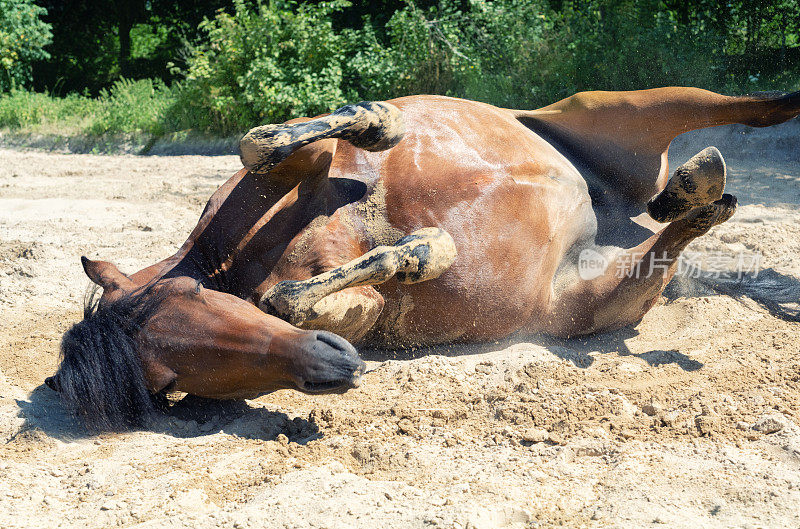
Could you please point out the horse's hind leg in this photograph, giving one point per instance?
(417, 257)
(633, 279)
(625, 135)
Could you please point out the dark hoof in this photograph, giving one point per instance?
(262, 148)
(697, 183)
(704, 218)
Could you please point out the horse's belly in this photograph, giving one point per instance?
(510, 244)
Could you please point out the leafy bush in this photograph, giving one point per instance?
(267, 62)
(628, 45)
(128, 107)
(496, 52)
(275, 61)
(23, 37)
(420, 56)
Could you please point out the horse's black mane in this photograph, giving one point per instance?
(100, 377)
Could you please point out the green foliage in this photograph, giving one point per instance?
(528, 53)
(95, 42)
(500, 52)
(267, 62)
(23, 36)
(147, 40)
(278, 60)
(420, 57)
(20, 109)
(505, 52)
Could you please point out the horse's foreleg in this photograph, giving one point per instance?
(634, 278)
(420, 256)
(370, 125)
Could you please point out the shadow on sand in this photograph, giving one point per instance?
(184, 417)
(775, 292)
(575, 350)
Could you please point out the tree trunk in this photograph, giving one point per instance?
(125, 46)
(128, 13)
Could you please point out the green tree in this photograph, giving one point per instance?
(23, 36)
(267, 62)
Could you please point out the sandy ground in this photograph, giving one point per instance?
(690, 420)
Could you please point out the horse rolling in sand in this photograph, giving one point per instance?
(420, 220)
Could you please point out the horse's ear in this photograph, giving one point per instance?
(105, 274)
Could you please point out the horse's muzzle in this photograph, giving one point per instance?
(334, 367)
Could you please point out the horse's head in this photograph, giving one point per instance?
(173, 334)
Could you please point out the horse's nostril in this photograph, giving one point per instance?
(335, 341)
(336, 366)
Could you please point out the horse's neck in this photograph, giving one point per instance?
(189, 261)
(199, 261)
(170, 267)
(234, 224)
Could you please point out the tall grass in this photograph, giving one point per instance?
(30, 111)
(128, 107)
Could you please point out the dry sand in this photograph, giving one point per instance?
(691, 419)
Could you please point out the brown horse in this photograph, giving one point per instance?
(418, 221)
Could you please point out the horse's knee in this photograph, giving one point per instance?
(350, 313)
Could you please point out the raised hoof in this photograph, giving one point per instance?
(288, 301)
(704, 218)
(426, 254)
(370, 125)
(264, 147)
(698, 182)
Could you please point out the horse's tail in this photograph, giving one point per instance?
(370, 125)
(778, 293)
(100, 377)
